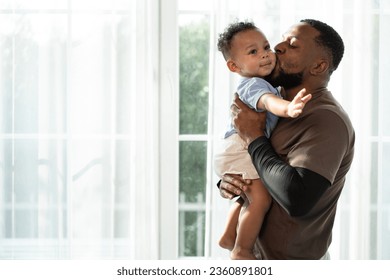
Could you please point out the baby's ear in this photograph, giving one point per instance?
(232, 66)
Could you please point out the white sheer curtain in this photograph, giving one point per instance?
(362, 225)
(78, 129)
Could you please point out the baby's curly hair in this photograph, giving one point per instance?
(225, 38)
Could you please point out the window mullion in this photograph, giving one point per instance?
(169, 120)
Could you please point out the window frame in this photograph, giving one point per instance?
(171, 138)
(169, 120)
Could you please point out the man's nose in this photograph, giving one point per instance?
(279, 48)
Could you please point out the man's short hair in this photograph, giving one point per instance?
(330, 40)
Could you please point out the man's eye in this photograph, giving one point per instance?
(293, 43)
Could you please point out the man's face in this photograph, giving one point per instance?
(295, 55)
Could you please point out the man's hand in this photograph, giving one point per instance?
(232, 186)
(248, 123)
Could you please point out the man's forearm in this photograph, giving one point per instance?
(296, 189)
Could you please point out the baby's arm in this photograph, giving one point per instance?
(283, 108)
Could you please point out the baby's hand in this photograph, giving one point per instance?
(294, 109)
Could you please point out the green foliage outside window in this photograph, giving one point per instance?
(194, 61)
(194, 72)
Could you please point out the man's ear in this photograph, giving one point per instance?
(232, 66)
(320, 67)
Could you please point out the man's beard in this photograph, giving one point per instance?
(286, 80)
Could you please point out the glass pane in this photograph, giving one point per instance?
(374, 75)
(385, 241)
(384, 4)
(385, 192)
(94, 4)
(123, 79)
(92, 188)
(373, 235)
(384, 226)
(384, 68)
(63, 4)
(192, 233)
(373, 201)
(6, 188)
(33, 79)
(39, 69)
(263, 6)
(192, 198)
(345, 232)
(185, 5)
(100, 188)
(40, 4)
(194, 71)
(121, 180)
(6, 70)
(6, 4)
(100, 83)
(33, 188)
(6, 173)
(192, 165)
(91, 74)
(374, 174)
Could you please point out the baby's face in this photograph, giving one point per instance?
(252, 54)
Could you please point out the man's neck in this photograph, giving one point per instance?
(291, 92)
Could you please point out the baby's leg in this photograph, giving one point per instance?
(228, 237)
(250, 221)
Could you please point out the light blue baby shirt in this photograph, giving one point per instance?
(250, 90)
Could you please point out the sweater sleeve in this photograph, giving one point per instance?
(296, 189)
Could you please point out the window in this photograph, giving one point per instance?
(70, 78)
(194, 46)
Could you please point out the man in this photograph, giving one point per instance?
(304, 163)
